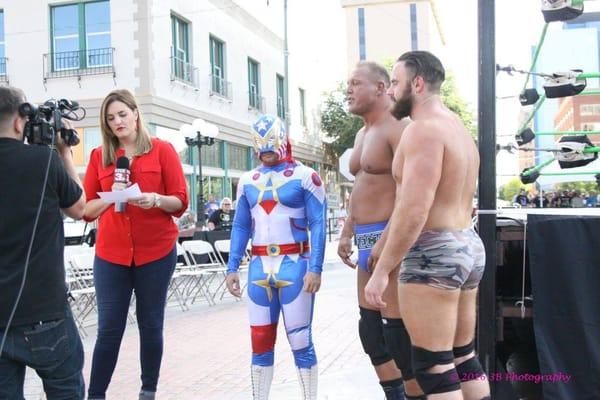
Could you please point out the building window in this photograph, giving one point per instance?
(219, 85)
(213, 185)
(254, 99)
(92, 138)
(237, 157)
(211, 155)
(362, 48)
(414, 38)
(81, 36)
(180, 66)
(280, 97)
(302, 107)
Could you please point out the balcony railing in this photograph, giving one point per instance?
(3, 74)
(184, 71)
(78, 63)
(220, 87)
(256, 102)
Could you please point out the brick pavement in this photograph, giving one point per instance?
(207, 351)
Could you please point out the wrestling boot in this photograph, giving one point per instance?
(261, 381)
(145, 395)
(308, 378)
(394, 389)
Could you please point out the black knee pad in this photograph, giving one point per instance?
(370, 330)
(431, 382)
(470, 369)
(397, 341)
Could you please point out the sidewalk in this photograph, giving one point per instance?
(207, 350)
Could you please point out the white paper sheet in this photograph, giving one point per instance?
(121, 196)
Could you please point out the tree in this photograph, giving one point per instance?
(454, 102)
(582, 187)
(450, 97)
(509, 190)
(339, 124)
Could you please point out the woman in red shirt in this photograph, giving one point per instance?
(135, 249)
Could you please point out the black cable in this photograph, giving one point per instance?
(35, 223)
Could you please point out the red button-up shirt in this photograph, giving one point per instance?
(137, 234)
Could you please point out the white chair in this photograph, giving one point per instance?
(223, 247)
(82, 293)
(174, 289)
(199, 274)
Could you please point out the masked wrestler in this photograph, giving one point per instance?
(278, 203)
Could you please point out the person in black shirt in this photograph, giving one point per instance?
(42, 334)
(222, 218)
(521, 198)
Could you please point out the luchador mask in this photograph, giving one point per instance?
(268, 134)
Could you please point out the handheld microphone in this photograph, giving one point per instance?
(121, 176)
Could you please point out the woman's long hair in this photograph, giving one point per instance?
(110, 143)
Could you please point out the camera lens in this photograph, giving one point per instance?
(27, 110)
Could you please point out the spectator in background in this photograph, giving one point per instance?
(222, 219)
(564, 200)
(592, 200)
(577, 200)
(211, 205)
(545, 201)
(521, 198)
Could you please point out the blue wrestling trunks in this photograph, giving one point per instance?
(366, 236)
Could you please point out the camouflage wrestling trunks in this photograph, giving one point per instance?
(445, 260)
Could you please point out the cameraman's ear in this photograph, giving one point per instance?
(19, 125)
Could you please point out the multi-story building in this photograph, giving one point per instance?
(381, 30)
(210, 59)
(580, 113)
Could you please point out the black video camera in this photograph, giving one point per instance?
(44, 122)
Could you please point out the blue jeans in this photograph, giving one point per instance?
(53, 349)
(114, 286)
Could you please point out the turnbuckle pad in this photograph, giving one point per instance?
(530, 178)
(571, 154)
(564, 84)
(525, 136)
(529, 97)
(561, 10)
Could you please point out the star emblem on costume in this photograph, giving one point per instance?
(270, 186)
(261, 126)
(271, 282)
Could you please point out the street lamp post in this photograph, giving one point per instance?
(200, 133)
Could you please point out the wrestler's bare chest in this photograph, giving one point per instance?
(372, 154)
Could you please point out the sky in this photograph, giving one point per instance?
(317, 33)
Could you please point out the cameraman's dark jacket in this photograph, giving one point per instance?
(22, 170)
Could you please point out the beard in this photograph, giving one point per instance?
(404, 105)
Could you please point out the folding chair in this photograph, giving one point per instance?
(173, 290)
(202, 265)
(223, 248)
(81, 285)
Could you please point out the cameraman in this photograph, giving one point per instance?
(42, 334)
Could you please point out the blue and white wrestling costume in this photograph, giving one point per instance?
(276, 207)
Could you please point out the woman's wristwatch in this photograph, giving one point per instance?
(156, 200)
